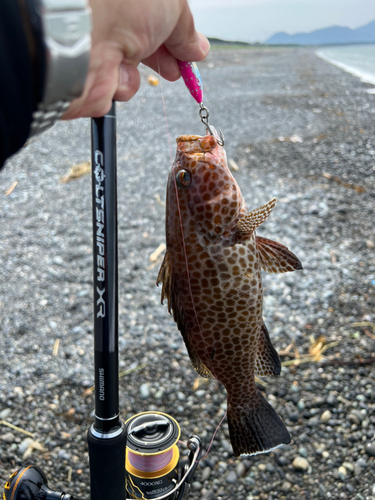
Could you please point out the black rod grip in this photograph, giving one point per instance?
(107, 466)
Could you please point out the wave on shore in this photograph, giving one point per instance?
(358, 60)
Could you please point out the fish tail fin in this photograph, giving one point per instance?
(254, 427)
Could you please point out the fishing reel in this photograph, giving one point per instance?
(152, 464)
(152, 458)
(30, 483)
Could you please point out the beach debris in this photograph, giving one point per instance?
(56, 347)
(11, 188)
(156, 254)
(152, 80)
(159, 200)
(28, 445)
(316, 349)
(200, 381)
(348, 185)
(318, 138)
(233, 165)
(70, 413)
(132, 370)
(15, 428)
(293, 138)
(364, 324)
(333, 256)
(77, 171)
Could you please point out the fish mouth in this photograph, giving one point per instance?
(195, 144)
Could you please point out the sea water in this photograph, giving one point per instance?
(359, 60)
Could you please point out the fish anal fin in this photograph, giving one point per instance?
(170, 292)
(250, 221)
(255, 427)
(275, 257)
(198, 365)
(267, 361)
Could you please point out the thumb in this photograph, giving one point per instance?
(185, 43)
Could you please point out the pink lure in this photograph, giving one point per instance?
(192, 79)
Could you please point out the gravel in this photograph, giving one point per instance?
(324, 179)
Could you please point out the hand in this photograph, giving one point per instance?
(126, 33)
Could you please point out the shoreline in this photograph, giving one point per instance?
(364, 76)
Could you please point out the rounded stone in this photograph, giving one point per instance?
(4, 414)
(144, 391)
(313, 421)
(8, 437)
(331, 399)
(206, 473)
(370, 450)
(24, 445)
(342, 473)
(325, 416)
(354, 419)
(286, 486)
(197, 486)
(231, 477)
(300, 463)
(241, 469)
(301, 405)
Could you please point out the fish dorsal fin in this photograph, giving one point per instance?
(170, 292)
(267, 361)
(275, 257)
(250, 221)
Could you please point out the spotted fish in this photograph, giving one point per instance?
(211, 276)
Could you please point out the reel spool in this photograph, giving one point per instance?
(152, 455)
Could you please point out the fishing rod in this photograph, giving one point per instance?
(138, 459)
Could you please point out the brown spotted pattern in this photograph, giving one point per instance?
(218, 302)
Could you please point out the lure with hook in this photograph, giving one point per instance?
(193, 81)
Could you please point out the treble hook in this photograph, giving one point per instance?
(204, 114)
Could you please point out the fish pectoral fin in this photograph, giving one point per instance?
(275, 257)
(165, 278)
(267, 361)
(250, 221)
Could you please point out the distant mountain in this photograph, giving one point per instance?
(219, 41)
(327, 36)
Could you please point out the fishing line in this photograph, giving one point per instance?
(184, 251)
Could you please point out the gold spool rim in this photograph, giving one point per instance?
(155, 474)
(157, 452)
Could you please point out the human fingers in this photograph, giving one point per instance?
(129, 82)
(163, 63)
(185, 43)
(107, 79)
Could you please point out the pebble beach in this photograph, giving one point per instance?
(296, 127)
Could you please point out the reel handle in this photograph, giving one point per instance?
(30, 483)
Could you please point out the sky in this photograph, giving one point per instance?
(257, 20)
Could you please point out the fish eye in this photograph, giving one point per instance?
(183, 178)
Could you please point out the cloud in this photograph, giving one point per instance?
(257, 20)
